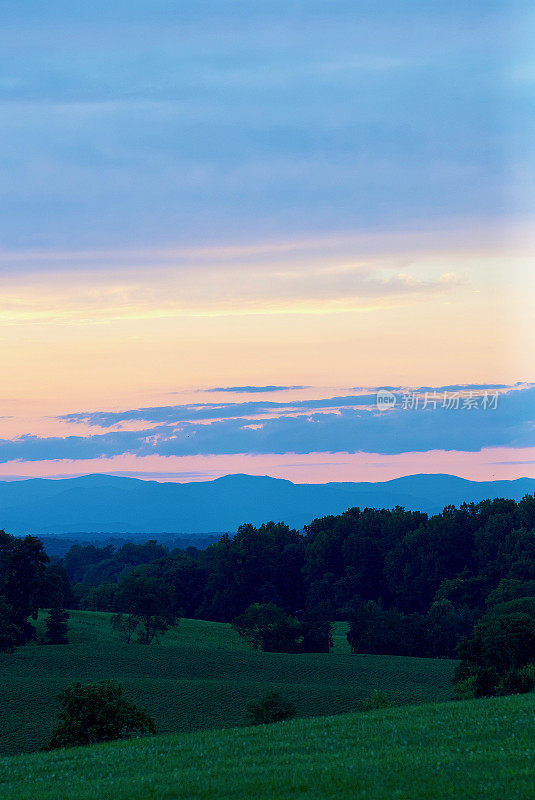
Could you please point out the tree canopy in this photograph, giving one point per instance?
(22, 569)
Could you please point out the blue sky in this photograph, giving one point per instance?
(127, 124)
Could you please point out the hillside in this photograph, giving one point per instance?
(477, 750)
(107, 504)
(194, 680)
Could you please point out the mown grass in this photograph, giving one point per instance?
(474, 750)
(196, 679)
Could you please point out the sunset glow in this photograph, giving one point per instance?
(273, 216)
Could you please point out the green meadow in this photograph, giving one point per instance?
(201, 675)
(477, 750)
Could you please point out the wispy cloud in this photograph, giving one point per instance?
(189, 412)
(253, 389)
(223, 290)
(214, 411)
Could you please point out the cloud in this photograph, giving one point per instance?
(206, 411)
(252, 389)
(518, 462)
(189, 412)
(337, 428)
(223, 290)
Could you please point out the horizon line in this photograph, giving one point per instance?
(153, 478)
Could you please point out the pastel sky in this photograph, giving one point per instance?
(226, 224)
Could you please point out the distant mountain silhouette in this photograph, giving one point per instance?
(108, 504)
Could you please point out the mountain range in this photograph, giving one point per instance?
(107, 504)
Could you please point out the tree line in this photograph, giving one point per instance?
(409, 583)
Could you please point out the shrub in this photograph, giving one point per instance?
(377, 699)
(272, 708)
(465, 689)
(519, 681)
(97, 712)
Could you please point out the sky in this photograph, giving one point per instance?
(226, 225)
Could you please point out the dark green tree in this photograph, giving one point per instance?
(10, 635)
(101, 597)
(55, 588)
(317, 629)
(445, 626)
(510, 589)
(22, 566)
(97, 712)
(57, 626)
(387, 631)
(144, 597)
(267, 627)
(261, 564)
(125, 625)
(373, 629)
(79, 558)
(501, 647)
(272, 708)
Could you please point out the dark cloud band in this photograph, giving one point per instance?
(331, 425)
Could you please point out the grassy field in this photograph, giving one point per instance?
(196, 679)
(472, 750)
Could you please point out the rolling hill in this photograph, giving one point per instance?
(118, 505)
(475, 750)
(202, 675)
